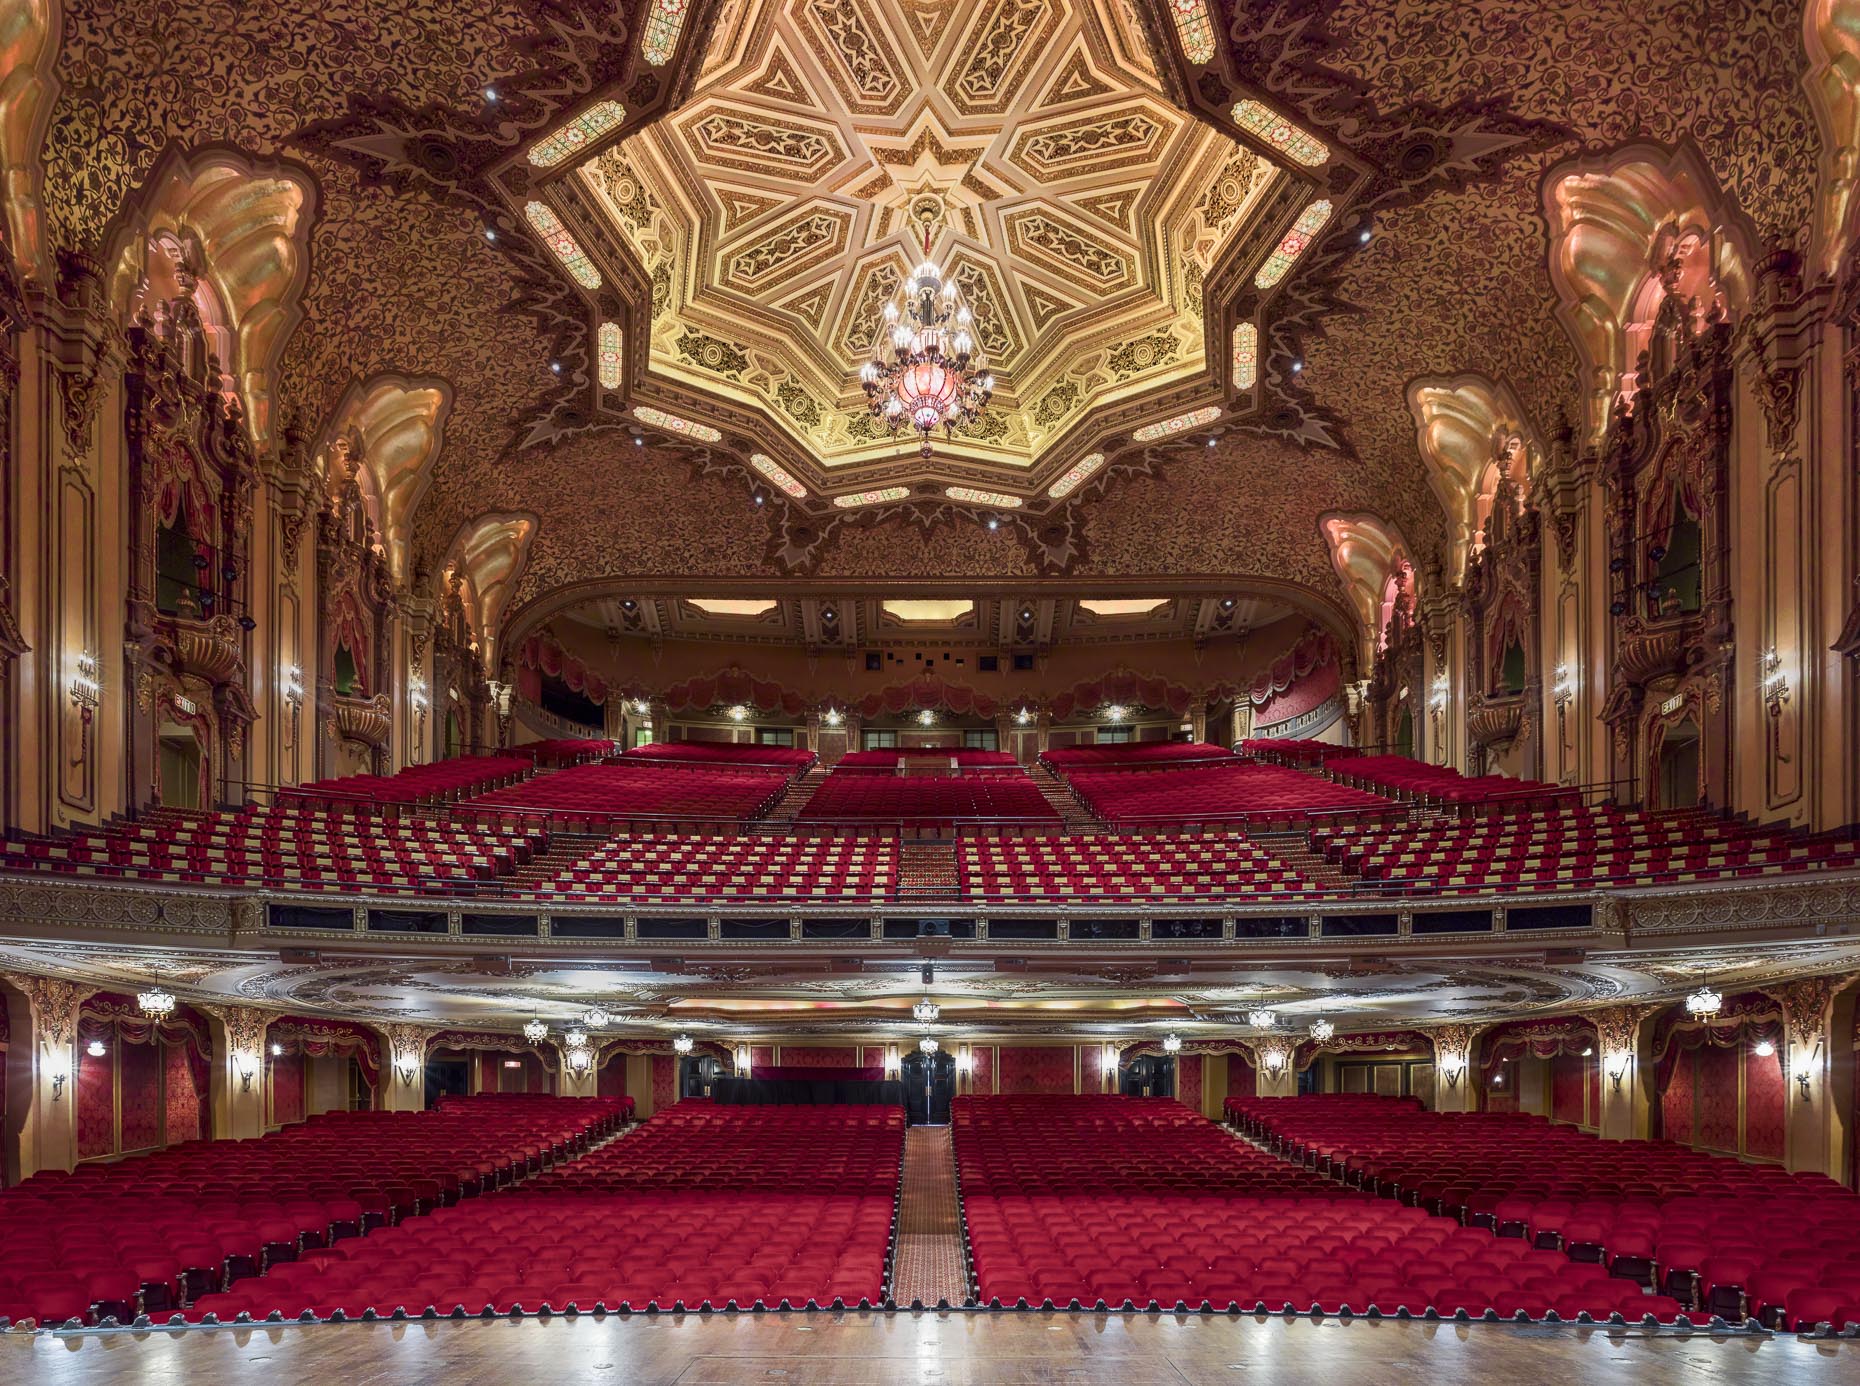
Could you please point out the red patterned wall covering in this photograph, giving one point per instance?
(287, 1089)
(488, 1066)
(96, 1106)
(1050, 1068)
(983, 1057)
(1188, 1080)
(1592, 1066)
(181, 1116)
(1676, 1102)
(1566, 1088)
(139, 1075)
(1241, 1080)
(1765, 1105)
(822, 1056)
(761, 1056)
(1717, 1098)
(612, 1079)
(1504, 1097)
(664, 1081)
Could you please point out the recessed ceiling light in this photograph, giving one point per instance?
(490, 93)
(556, 366)
(1297, 366)
(490, 234)
(638, 441)
(993, 523)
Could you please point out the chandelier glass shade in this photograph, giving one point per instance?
(1262, 1019)
(596, 1018)
(927, 371)
(928, 1045)
(681, 1044)
(926, 1011)
(1704, 1002)
(576, 1039)
(535, 1032)
(1322, 1030)
(1172, 1044)
(157, 1003)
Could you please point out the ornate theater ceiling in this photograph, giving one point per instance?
(779, 208)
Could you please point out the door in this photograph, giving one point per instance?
(929, 1084)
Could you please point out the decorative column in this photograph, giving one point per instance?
(1454, 1067)
(41, 1062)
(1813, 1138)
(238, 1067)
(1627, 1071)
(403, 1067)
(578, 1082)
(1274, 1073)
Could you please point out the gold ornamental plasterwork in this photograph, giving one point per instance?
(777, 210)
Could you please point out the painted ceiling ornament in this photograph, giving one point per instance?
(927, 370)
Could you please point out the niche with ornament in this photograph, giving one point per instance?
(355, 613)
(1500, 598)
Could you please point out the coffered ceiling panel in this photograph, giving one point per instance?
(779, 208)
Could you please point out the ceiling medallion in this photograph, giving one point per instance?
(926, 370)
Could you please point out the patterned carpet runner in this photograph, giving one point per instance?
(928, 1268)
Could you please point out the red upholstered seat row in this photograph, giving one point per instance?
(1573, 845)
(1406, 778)
(1138, 753)
(701, 1205)
(593, 795)
(1175, 866)
(150, 1232)
(1293, 750)
(1237, 790)
(567, 750)
(669, 866)
(876, 796)
(1728, 1237)
(1140, 1200)
(293, 844)
(443, 780)
(721, 753)
(886, 757)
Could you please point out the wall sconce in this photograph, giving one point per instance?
(294, 700)
(1116, 712)
(277, 1051)
(96, 1049)
(86, 697)
(1108, 1061)
(1274, 1059)
(420, 699)
(1563, 690)
(892, 1067)
(926, 718)
(245, 1064)
(965, 1061)
(1023, 717)
(833, 717)
(1616, 1066)
(1763, 1049)
(407, 1065)
(58, 1064)
(742, 1061)
(739, 713)
(580, 1061)
(1775, 682)
(1453, 1065)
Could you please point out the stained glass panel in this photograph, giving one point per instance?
(1081, 469)
(1309, 223)
(1181, 423)
(663, 22)
(610, 344)
(1193, 30)
(772, 469)
(578, 134)
(1246, 355)
(671, 423)
(889, 493)
(975, 497)
(1298, 145)
(574, 259)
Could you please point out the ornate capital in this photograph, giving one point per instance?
(1805, 1004)
(54, 1005)
(1453, 1039)
(1615, 1026)
(245, 1027)
(405, 1039)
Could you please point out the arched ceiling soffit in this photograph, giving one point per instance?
(1366, 551)
(392, 428)
(1613, 224)
(1831, 32)
(251, 221)
(1455, 278)
(1463, 426)
(27, 57)
(490, 555)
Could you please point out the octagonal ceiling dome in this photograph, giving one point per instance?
(777, 210)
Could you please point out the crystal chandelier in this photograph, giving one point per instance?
(596, 1018)
(1322, 1030)
(1262, 1019)
(926, 370)
(535, 1032)
(1172, 1044)
(928, 1045)
(681, 1044)
(926, 1011)
(1704, 1002)
(156, 1003)
(576, 1039)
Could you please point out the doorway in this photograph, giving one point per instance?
(447, 1078)
(929, 1085)
(1678, 767)
(180, 767)
(697, 1073)
(1153, 1075)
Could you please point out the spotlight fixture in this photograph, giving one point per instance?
(681, 1044)
(1172, 1043)
(535, 1031)
(157, 1004)
(1322, 1030)
(1704, 1003)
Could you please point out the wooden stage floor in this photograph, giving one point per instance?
(937, 1349)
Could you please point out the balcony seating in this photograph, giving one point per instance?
(887, 757)
(1573, 845)
(670, 867)
(722, 753)
(702, 1205)
(1721, 1235)
(1138, 1200)
(868, 796)
(442, 781)
(291, 844)
(1401, 777)
(591, 798)
(1233, 790)
(560, 751)
(1293, 750)
(150, 1232)
(1177, 866)
(1134, 753)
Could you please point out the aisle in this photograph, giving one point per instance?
(928, 1268)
